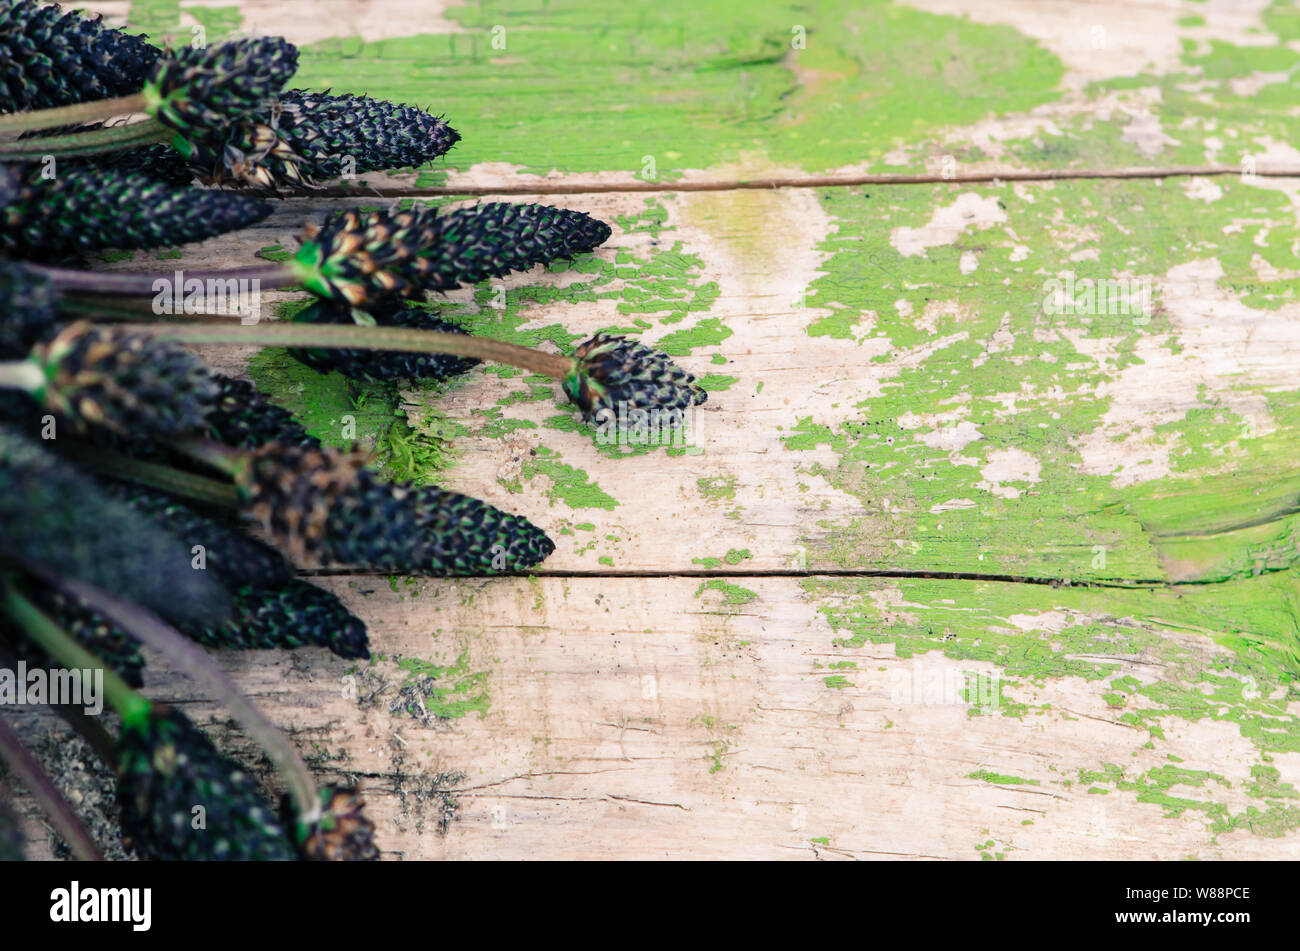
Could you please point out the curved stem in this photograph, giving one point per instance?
(344, 336)
(113, 139)
(125, 283)
(60, 645)
(182, 652)
(56, 808)
(98, 111)
(220, 457)
(164, 478)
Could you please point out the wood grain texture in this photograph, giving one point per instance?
(945, 572)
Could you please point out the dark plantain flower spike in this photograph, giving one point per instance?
(154, 161)
(158, 161)
(250, 152)
(98, 540)
(463, 536)
(11, 183)
(305, 137)
(28, 308)
(165, 769)
(293, 614)
(367, 260)
(49, 58)
(613, 376)
(258, 154)
(118, 651)
(377, 366)
(299, 495)
(200, 92)
(342, 833)
(88, 209)
(355, 134)
(129, 383)
(493, 239)
(232, 556)
(325, 506)
(342, 135)
(270, 608)
(246, 419)
(18, 410)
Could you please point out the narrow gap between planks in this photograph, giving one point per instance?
(634, 575)
(830, 181)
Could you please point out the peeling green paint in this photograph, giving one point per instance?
(1001, 779)
(1038, 386)
(218, 23)
(1036, 632)
(689, 86)
(717, 383)
(732, 594)
(720, 89)
(717, 489)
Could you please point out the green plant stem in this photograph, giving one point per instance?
(110, 308)
(89, 728)
(164, 478)
(127, 284)
(356, 337)
(112, 139)
(219, 457)
(27, 376)
(100, 110)
(290, 334)
(191, 659)
(64, 648)
(56, 808)
(21, 375)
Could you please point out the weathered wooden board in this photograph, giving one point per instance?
(661, 718)
(945, 569)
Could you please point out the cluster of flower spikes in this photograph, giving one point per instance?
(49, 58)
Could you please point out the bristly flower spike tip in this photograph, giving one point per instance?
(612, 375)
